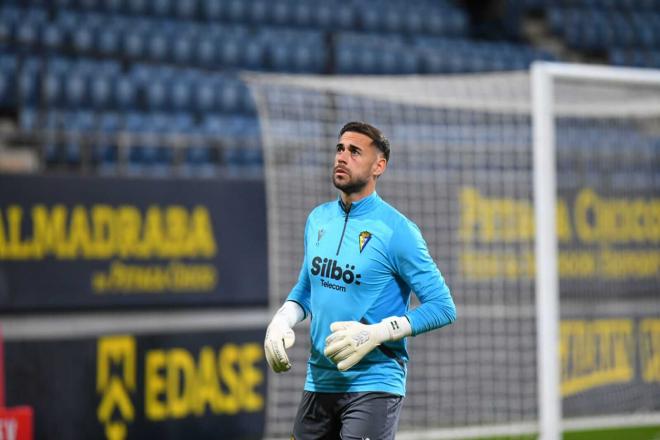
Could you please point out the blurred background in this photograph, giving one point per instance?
(158, 159)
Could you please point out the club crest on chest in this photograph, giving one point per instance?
(365, 237)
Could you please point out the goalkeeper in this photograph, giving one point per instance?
(362, 259)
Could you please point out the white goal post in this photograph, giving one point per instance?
(537, 194)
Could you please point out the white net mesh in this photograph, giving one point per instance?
(461, 168)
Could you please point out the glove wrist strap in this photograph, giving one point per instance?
(398, 327)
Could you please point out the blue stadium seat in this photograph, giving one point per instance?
(182, 122)
(6, 28)
(142, 73)
(157, 94)
(204, 96)
(458, 23)
(259, 12)
(647, 36)
(393, 19)
(27, 32)
(52, 121)
(160, 156)
(125, 93)
(282, 11)
(302, 14)
(67, 147)
(109, 40)
(52, 151)
(214, 125)
(68, 19)
(63, 4)
(134, 122)
(431, 62)
(76, 89)
(137, 7)
(183, 48)
(556, 19)
(186, 9)
(413, 20)
(158, 44)
(212, 10)
(28, 119)
(106, 162)
(134, 43)
(83, 38)
(604, 28)
(253, 52)
(52, 91)
(198, 155)
(635, 57)
(444, 22)
(251, 161)
(230, 52)
(232, 157)
(155, 162)
(161, 8)
(242, 153)
(249, 105)
(325, 17)
(372, 54)
(89, 5)
(408, 62)
(7, 90)
(101, 91)
(228, 95)
(105, 153)
(109, 122)
(308, 57)
(345, 59)
(182, 95)
(82, 121)
(136, 159)
(247, 125)
(157, 122)
(372, 19)
(368, 62)
(8, 72)
(110, 67)
(36, 13)
(206, 53)
(235, 11)
(52, 37)
(342, 18)
(10, 15)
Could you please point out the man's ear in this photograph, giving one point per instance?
(380, 166)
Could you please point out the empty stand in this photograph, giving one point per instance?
(97, 74)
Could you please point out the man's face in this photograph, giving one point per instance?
(357, 162)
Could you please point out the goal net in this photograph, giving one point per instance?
(597, 176)
(462, 168)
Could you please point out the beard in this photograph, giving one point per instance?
(350, 185)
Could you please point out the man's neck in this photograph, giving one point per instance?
(349, 199)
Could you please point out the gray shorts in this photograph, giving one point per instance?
(347, 416)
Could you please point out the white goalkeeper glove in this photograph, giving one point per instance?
(280, 336)
(350, 341)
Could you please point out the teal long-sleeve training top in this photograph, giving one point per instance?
(361, 264)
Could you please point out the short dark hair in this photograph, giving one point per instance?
(379, 140)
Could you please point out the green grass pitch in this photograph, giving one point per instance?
(646, 433)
